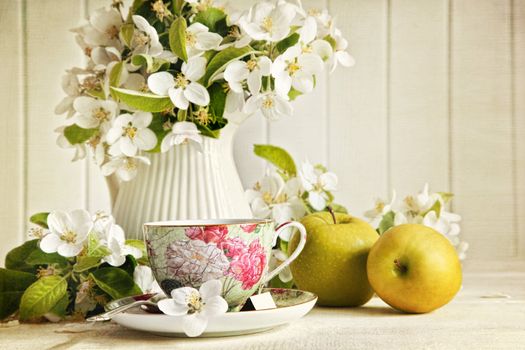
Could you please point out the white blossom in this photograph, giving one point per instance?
(125, 168)
(251, 71)
(272, 105)
(183, 88)
(317, 183)
(130, 133)
(181, 132)
(93, 113)
(68, 231)
(199, 39)
(197, 306)
(145, 40)
(268, 21)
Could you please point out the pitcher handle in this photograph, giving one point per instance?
(295, 253)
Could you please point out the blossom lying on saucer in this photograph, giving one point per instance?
(197, 306)
(68, 232)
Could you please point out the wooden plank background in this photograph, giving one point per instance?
(437, 95)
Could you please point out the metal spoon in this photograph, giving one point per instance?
(121, 305)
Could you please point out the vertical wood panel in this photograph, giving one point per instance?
(357, 105)
(11, 128)
(304, 133)
(53, 181)
(418, 95)
(518, 73)
(481, 125)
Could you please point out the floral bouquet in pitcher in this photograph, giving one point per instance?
(169, 72)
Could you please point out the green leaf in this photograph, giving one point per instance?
(85, 263)
(157, 126)
(177, 36)
(386, 222)
(217, 100)
(129, 265)
(278, 157)
(213, 129)
(60, 308)
(75, 134)
(38, 258)
(214, 19)
(446, 196)
(97, 93)
(277, 283)
(177, 6)
(287, 42)
(435, 207)
(142, 60)
(293, 94)
(16, 258)
(39, 219)
(42, 296)
(115, 282)
(338, 208)
(12, 286)
(115, 76)
(330, 39)
(219, 62)
(143, 101)
(95, 248)
(137, 243)
(126, 31)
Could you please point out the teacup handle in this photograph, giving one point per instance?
(295, 253)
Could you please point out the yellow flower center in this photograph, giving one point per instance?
(267, 24)
(194, 302)
(252, 64)
(293, 67)
(100, 114)
(181, 81)
(160, 9)
(130, 164)
(129, 131)
(269, 199)
(268, 102)
(202, 115)
(112, 32)
(69, 236)
(191, 39)
(380, 205)
(314, 12)
(36, 232)
(140, 39)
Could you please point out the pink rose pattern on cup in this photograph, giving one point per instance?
(211, 254)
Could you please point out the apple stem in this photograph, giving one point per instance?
(331, 211)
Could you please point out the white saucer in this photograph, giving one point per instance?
(291, 305)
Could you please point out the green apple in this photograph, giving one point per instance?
(414, 269)
(333, 261)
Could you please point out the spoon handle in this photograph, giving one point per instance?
(105, 316)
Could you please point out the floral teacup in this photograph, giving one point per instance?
(234, 251)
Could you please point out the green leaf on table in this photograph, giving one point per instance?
(214, 19)
(60, 308)
(76, 135)
(157, 126)
(16, 258)
(278, 157)
(143, 101)
(219, 62)
(287, 42)
(116, 282)
(39, 257)
(12, 286)
(42, 296)
(386, 222)
(126, 32)
(85, 263)
(177, 37)
(95, 247)
(39, 219)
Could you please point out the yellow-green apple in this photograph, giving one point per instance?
(333, 261)
(414, 269)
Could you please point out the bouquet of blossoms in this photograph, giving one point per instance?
(429, 209)
(285, 194)
(169, 72)
(75, 264)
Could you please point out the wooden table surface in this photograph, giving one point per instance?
(489, 313)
